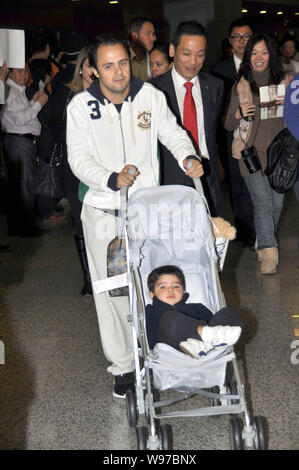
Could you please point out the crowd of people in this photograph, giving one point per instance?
(133, 113)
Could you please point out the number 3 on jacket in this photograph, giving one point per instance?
(95, 107)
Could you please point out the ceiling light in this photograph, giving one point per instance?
(113, 1)
(244, 11)
(262, 12)
(280, 13)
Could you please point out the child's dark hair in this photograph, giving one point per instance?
(158, 272)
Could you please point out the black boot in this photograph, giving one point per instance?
(80, 244)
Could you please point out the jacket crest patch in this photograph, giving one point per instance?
(144, 120)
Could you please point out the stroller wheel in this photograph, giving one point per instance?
(142, 437)
(165, 437)
(260, 439)
(131, 409)
(235, 434)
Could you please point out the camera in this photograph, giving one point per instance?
(251, 159)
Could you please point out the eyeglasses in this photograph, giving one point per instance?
(238, 37)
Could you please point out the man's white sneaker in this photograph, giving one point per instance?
(221, 335)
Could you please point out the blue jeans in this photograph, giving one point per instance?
(267, 207)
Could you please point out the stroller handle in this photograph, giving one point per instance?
(124, 189)
(197, 182)
(124, 197)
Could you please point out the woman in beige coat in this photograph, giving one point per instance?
(256, 126)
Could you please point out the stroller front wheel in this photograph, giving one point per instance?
(235, 434)
(142, 437)
(131, 409)
(165, 437)
(260, 440)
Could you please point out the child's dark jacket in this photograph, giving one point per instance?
(154, 313)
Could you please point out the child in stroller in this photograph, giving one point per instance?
(188, 327)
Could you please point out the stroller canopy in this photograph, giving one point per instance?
(171, 225)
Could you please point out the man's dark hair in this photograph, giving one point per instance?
(99, 41)
(136, 25)
(238, 23)
(288, 37)
(189, 28)
(39, 42)
(275, 67)
(161, 271)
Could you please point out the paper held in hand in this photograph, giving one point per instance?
(271, 98)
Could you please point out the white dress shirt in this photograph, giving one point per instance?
(19, 116)
(180, 92)
(237, 62)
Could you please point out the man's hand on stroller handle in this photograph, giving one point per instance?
(194, 167)
(127, 176)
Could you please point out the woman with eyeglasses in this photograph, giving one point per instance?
(254, 129)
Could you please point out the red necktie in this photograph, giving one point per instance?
(189, 116)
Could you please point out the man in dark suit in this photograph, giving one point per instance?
(239, 33)
(188, 48)
(227, 69)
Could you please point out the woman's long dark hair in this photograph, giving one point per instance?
(276, 71)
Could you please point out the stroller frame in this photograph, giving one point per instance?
(252, 434)
(228, 398)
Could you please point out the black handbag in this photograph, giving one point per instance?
(282, 161)
(48, 179)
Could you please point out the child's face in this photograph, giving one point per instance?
(168, 288)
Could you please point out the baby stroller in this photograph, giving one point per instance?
(171, 225)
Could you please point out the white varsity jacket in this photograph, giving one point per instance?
(101, 141)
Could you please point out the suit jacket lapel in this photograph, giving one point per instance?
(232, 68)
(169, 86)
(204, 88)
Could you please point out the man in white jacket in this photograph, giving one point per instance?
(114, 127)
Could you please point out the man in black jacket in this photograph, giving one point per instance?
(188, 48)
(227, 69)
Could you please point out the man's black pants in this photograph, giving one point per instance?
(20, 153)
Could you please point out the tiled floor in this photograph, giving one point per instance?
(54, 389)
